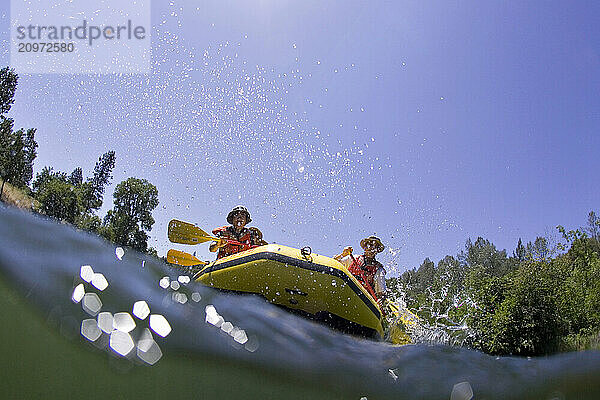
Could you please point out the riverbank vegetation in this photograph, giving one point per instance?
(541, 299)
(16, 197)
(69, 197)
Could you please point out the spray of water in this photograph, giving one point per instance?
(431, 323)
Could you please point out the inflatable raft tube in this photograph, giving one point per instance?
(311, 285)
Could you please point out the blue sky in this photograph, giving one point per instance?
(424, 123)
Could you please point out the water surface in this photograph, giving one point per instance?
(216, 345)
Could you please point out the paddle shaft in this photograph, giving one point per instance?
(232, 241)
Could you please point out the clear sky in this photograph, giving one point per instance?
(425, 123)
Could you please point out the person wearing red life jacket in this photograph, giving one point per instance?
(236, 237)
(366, 268)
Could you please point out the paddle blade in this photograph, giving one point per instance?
(393, 308)
(186, 233)
(182, 258)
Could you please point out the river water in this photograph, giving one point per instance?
(83, 319)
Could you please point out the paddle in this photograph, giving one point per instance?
(184, 259)
(393, 307)
(409, 318)
(186, 233)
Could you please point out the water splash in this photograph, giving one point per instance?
(431, 324)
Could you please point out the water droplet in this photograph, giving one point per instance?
(240, 336)
(227, 327)
(123, 322)
(91, 304)
(160, 325)
(147, 349)
(99, 281)
(121, 342)
(462, 391)
(141, 309)
(164, 282)
(212, 317)
(252, 344)
(86, 273)
(180, 298)
(78, 293)
(105, 322)
(119, 252)
(90, 330)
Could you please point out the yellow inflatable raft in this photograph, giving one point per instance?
(312, 285)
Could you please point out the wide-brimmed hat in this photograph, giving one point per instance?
(373, 239)
(237, 209)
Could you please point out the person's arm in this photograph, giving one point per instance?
(214, 246)
(346, 252)
(380, 286)
(257, 237)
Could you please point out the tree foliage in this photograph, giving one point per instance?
(58, 199)
(92, 191)
(593, 227)
(131, 217)
(520, 252)
(535, 302)
(88, 195)
(18, 149)
(8, 87)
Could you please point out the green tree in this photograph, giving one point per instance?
(89, 222)
(451, 273)
(538, 250)
(131, 217)
(46, 175)
(520, 252)
(485, 293)
(8, 87)
(58, 199)
(533, 303)
(425, 274)
(593, 226)
(483, 253)
(527, 322)
(76, 177)
(579, 273)
(56, 194)
(18, 149)
(88, 194)
(92, 191)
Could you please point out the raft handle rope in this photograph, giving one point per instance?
(306, 251)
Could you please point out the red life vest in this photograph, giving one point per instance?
(365, 273)
(245, 237)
